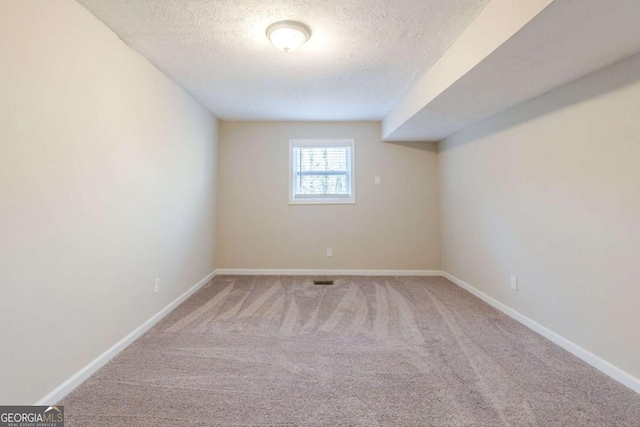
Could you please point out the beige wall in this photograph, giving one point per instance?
(107, 181)
(550, 192)
(393, 225)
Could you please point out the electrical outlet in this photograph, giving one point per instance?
(329, 252)
(156, 286)
(514, 283)
(377, 180)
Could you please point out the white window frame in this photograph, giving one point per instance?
(344, 142)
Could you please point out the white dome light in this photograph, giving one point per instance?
(288, 35)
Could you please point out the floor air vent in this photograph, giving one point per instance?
(322, 281)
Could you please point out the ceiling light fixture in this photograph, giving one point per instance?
(288, 35)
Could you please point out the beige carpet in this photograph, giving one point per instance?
(388, 351)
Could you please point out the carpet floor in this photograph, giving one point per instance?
(368, 351)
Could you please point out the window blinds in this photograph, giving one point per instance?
(321, 172)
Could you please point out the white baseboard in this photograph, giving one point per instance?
(76, 379)
(600, 364)
(309, 272)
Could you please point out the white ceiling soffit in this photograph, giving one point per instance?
(363, 55)
(566, 40)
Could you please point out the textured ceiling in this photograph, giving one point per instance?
(363, 56)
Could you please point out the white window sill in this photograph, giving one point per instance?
(323, 202)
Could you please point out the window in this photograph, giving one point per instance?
(321, 171)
